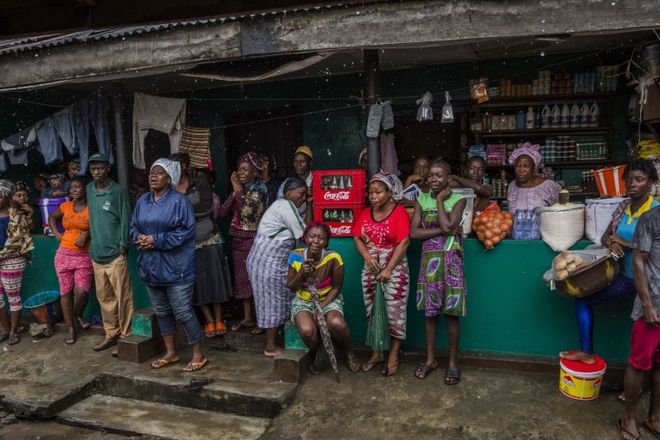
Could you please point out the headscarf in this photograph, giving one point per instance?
(392, 182)
(316, 224)
(527, 149)
(293, 183)
(254, 161)
(21, 186)
(171, 167)
(58, 176)
(5, 188)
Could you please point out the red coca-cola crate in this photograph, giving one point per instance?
(339, 186)
(340, 218)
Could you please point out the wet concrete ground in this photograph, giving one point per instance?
(487, 404)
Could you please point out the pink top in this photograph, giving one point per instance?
(545, 194)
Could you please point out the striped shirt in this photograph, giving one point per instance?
(322, 275)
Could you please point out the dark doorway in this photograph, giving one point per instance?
(275, 132)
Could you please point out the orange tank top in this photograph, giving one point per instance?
(75, 223)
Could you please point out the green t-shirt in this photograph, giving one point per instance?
(109, 219)
(429, 203)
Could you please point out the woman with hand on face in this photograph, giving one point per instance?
(475, 169)
(420, 174)
(163, 228)
(381, 239)
(639, 175)
(22, 199)
(441, 285)
(247, 205)
(73, 264)
(267, 266)
(316, 265)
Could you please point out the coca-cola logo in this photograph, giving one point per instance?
(341, 195)
(341, 230)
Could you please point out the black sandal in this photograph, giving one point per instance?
(14, 338)
(424, 370)
(82, 323)
(452, 376)
(70, 337)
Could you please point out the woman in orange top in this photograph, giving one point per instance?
(72, 262)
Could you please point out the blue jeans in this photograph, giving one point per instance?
(172, 303)
(584, 308)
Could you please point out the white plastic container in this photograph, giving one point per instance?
(468, 213)
(562, 225)
(598, 214)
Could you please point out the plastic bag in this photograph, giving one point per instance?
(378, 328)
(582, 258)
(425, 111)
(447, 110)
(526, 225)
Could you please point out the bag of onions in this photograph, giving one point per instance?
(492, 227)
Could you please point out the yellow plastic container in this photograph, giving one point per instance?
(581, 381)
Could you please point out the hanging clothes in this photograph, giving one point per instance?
(80, 125)
(49, 142)
(166, 115)
(64, 128)
(195, 142)
(99, 118)
(388, 159)
(3, 162)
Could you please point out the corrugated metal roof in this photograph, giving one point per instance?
(13, 46)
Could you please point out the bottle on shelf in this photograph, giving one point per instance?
(594, 114)
(546, 116)
(575, 115)
(531, 118)
(556, 116)
(565, 116)
(585, 115)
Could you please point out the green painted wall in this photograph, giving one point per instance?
(510, 310)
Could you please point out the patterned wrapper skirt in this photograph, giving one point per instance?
(441, 285)
(267, 265)
(395, 291)
(240, 249)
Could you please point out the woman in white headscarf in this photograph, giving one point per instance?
(163, 228)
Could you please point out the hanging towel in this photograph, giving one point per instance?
(388, 116)
(195, 142)
(167, 115)
(388, 159)
(374, 120)
(49, 143)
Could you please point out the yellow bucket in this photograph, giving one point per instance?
(581, 381)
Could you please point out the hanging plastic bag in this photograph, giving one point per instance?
(447, 110)
(378, 328)
(374, 120)
(425, 111)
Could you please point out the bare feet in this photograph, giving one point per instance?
(587, 358)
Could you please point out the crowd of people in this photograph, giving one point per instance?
(281, 264)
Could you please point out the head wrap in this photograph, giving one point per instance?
(392, 183)
(363, 153)
(21, 186)
(254, 161)
(304, 149)
(171, 167)
(316, 224)
(293, 183)
(58, 176)
(527, 149)
(5, 188)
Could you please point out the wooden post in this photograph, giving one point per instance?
(122, 155)
(373, 92)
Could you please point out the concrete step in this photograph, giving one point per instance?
(134, 417)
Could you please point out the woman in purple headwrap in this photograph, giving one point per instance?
(247, 204)
(529, 190)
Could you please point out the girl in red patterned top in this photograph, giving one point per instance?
(381, 238)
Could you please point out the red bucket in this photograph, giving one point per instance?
(610, 181)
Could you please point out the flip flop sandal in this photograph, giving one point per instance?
(240, 326)
(452, 376)
(195, 366)
(162, 362)
(623, 431)
(70, 337)
(649, 427)
(83, 324)
(390, 370)
(14, 338)
(272, 354)
(209, 330)
(353, 364)
(256, 331)
(198, 384)
(220, 328)
(370, 365)
(424, 370)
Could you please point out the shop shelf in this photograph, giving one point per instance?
(542, 132)
(533, 100)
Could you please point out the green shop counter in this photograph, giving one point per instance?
(510, 310)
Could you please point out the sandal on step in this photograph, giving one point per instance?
(70, 337)
(452, 376)
(220, 328)
(273, 353)
(424, 370)
(163, 362)
(14, 338)
(256, 331)
(195, 365)
(209, 330)
(390, 369)
(82, 323)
